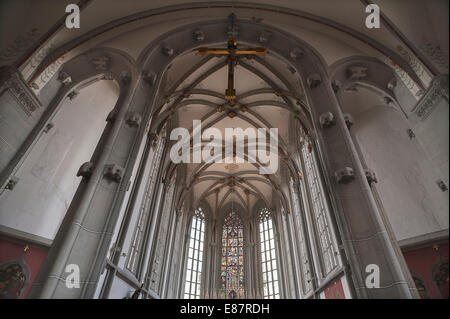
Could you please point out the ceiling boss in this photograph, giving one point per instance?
(232, 52)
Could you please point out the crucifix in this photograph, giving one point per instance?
(232, 52)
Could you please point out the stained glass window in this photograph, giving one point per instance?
(232, 265)
(195, 256)
(271, 287)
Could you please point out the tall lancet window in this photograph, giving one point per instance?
(138, 245)
(271, 286)
(320, 210)
(232, 270)
(195, 256)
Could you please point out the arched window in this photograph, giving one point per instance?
(137, 244)
(271, 286)
(232, 270)
(305, 265)
(195, 256)
(319, 209)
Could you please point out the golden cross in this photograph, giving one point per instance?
(231, 51)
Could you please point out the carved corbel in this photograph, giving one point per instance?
(154, 138)
(231, 114)
(336, 85)
(85, 169)
(388, 100)
(134, 119)
(326, 119)
(265, 36)
(113, 172)
(314, 80)
(12, 183)
(111, 116)
(410, 133)
(296, 54)
(349, 121)
(64, 78)
(198, 35)
(392, 84)
(357, 72)
(149, 77)
(72, 95)
(168, 52)
(345, 175)
(48, 127)
(370, 176)
(125, 77)
(441, 184)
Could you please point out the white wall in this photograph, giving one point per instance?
(433, 134)
(407, 177)
(48, 179)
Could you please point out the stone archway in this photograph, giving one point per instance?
(363, 232)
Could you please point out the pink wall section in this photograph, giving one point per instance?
(34, 257)
(423, 261)
(335, 290)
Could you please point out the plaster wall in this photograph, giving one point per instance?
(406, 176)
(47, 178)
(433, 134)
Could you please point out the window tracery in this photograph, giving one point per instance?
(232, 264)
(271, 287)
(195, 256)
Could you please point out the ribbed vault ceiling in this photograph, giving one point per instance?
(268, 95)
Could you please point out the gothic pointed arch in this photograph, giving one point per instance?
(232, 257)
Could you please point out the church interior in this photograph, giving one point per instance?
(94, 206)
